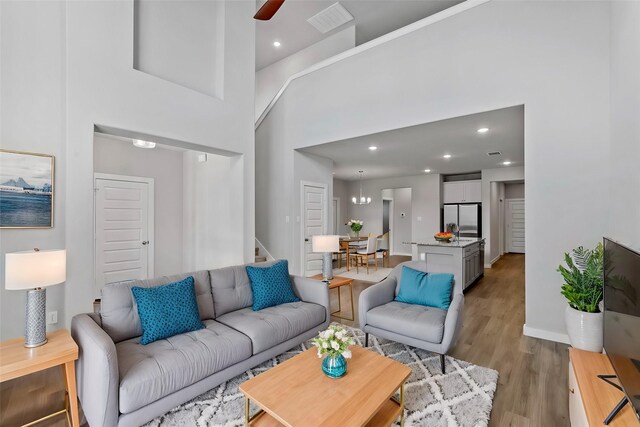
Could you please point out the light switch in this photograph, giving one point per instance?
(286, 219)
(419, 218)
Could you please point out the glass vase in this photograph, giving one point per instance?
(334, 366)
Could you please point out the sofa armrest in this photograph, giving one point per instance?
(310, 290)
(453, 323)
(97, 374)
(374, 296)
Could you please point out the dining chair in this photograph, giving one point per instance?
(343, 251)
(383, 247)
(365, 252)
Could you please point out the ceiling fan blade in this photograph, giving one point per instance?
(268, 9)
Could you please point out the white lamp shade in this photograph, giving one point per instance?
(35, 269)
(325, 243)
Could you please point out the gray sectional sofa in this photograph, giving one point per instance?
(123, 383)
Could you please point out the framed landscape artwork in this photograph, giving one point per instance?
(26, 190)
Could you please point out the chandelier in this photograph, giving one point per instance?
(362, 200)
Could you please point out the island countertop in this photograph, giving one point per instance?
(461, 243)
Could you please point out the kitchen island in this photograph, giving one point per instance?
(464, 258)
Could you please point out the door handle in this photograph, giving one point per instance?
(146, 242)
(306, 239)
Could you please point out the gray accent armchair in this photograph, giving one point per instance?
(429, 328)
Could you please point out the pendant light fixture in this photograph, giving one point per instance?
(362, 200)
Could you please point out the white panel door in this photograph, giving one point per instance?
(123, 231)
(314, 223)
(514, 222)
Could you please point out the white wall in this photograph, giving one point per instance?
(270, 79)
(212, 214)
(553, 57)
(165, 167)
(340, 190)
(491, 207)
(514, 191)
(86, 49)
(624, 192)
(32, 119)
(492, 251)
(419, 199)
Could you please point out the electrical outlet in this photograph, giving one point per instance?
(423, 256)
(52, 318)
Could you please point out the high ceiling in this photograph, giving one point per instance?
(411, 150)
(372, 18)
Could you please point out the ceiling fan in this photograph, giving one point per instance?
(268, 9)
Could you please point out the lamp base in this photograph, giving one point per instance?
(327, 266)
(35, 330)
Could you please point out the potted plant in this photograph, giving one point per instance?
(333, 344)
(355, 225)
(583, 289)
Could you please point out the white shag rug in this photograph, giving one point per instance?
(461, 397)
(373, 276)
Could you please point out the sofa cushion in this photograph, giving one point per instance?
(119, 312)
(271, 286)
(411, 320)
(430, 289)
(167, 310)
(150, 372)
(274, 325)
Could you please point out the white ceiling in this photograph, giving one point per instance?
(409, 151)
(372, 18)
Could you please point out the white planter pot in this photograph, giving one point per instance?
(584, 329)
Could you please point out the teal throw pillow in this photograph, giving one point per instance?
(271, 285)
(167, 310)
(430, 289)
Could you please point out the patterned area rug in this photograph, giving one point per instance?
(462, 397)
(373, 276)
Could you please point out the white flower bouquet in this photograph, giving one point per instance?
(333, 342)
(355, 225)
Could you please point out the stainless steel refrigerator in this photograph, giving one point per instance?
(466, 217)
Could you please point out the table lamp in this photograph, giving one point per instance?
(327, 245)
(35, 270)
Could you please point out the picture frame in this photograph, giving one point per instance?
(27, 189)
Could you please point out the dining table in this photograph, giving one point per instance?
(350, 240)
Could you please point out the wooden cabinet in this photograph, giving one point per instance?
(462, 192)
(590, 398)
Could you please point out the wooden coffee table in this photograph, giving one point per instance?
(338, 282)
(297, 393)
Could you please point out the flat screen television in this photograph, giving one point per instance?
(622, 317)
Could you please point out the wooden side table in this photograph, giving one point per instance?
(338, 282)
(17, 361)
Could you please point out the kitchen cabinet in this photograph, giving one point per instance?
(463, 258)
(462, 192)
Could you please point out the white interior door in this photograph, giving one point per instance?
(123, 229)
(314, 222)
(515, 225)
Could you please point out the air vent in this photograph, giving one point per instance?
(494, 153)
(330, 18)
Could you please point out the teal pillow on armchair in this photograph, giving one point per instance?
(429, 289)
(271, 285)
(167, 310)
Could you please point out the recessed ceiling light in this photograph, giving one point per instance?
(276, 44)
(507, 163)
(427, 170)
(447, 156)
(483, 130)
(373, 148)
(143, 144)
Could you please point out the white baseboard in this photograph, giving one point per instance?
(401, 254)
(493, 261)
(545, 335)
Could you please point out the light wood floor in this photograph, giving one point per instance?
(532, 388)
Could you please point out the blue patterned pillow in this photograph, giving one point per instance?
(271, 285)
(167, 310)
